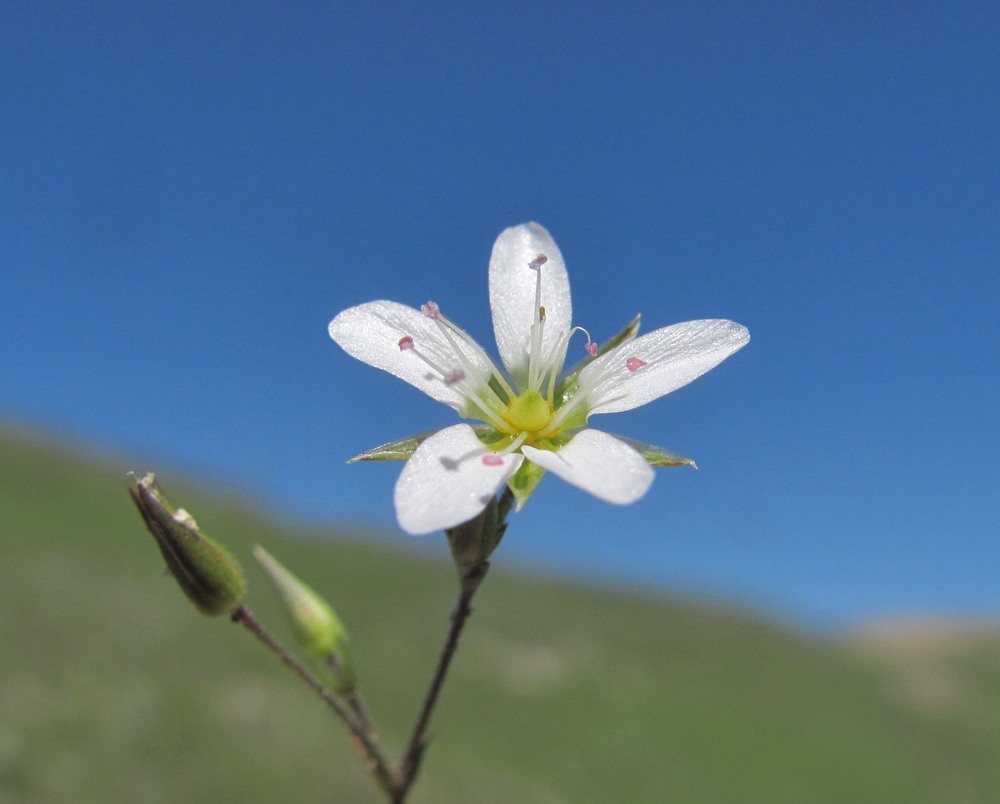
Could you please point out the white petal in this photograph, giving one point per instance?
(598, 463)
(446, 483)
(673, 356)
(371, 332)
(512, 294)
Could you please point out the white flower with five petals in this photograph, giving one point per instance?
(535, 415)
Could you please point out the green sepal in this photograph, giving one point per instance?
(403, 448)
(317, 627)
(568, 384)
(657, 456)
(524, 482)
(400, 450)
(473, 542)
(490, 436)
(208, 574)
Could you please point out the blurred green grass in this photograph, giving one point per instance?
(113, 689)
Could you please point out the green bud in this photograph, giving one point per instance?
(209, 575)
(316, 625)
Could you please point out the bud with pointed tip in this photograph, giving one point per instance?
(316, 625)
(207, 573)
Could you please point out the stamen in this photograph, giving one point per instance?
(496, 458)
(406, 345)
(534, 355)
(469, 341)
(456, 375)
(584, 390)
(515, 444)
(467, 367)
(558, 348)
(574, 402)
(562, 414)
(590, 346)
(431, 310)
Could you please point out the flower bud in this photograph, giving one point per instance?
(209, 575)
(316, 625)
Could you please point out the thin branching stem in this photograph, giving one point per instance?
(360, 709)
(359, 730)
(352, 711)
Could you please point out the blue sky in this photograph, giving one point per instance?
(191, 192)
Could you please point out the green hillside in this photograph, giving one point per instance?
(113, 689)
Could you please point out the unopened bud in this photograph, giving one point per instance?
(317, 627)
(209, 575)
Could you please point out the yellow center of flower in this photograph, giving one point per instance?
(529, 412)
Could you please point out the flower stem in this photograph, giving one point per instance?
(358, 725)
(410, 763)
(471, 575)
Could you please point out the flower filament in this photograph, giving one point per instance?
(533, 416)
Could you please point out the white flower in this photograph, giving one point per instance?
(535, 414)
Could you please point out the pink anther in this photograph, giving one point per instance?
(538, 262)
(454, 376)
(492, 459)
(634, 364)
(591, 348)
(431, 310)
(406, 342)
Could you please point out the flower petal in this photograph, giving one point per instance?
(446, 482)
(658, 363)
(512, 294)
(371, 332)
(598, 463)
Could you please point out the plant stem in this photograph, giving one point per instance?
(407, 770)
(353, 713)
(471, 575)
(360, 731)
(357, 704)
